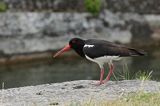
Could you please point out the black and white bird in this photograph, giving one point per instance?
(100, 52)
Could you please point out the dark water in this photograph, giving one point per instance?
(69, 68)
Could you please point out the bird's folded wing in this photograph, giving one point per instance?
(98, 49)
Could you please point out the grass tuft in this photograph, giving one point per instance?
(139, 98)
(125, 74)
(143, 75)
(3, 7)
(93, 6)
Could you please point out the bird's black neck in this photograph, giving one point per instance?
(79, 50)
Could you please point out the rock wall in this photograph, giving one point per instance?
(23, 31)
(134, 6)
(36, 32)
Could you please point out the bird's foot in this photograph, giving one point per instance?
(98, 83)
(105, 81)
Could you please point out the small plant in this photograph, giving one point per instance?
(3, 7)
(143, 75)
(138, 98)
(142, 97)
(93, 6)
(126, 75)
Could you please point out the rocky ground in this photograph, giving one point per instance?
(74, 91)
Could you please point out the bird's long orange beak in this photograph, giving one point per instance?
(66, 48)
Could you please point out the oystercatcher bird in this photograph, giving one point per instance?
(100, 52)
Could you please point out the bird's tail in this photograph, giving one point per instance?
(134, 52)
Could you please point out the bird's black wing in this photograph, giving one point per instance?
(97, 48)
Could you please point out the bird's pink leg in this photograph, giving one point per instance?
(101, 77)
(111, 67)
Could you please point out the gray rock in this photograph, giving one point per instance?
(153, 20)
(27, 32)
(37, 32)
(132, 6)
(74, 91)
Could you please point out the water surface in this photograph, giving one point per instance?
(69, 68)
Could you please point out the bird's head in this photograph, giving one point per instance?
(75, 43)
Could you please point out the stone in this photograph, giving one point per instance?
(79, 91)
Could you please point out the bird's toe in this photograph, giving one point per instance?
(97, 83)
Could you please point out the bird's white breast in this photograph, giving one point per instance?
(103, 59)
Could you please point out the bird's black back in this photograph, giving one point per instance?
(105, 48)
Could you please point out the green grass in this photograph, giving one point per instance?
(125, 74)
(143, 75)
(3, 7)
(134, 99)
(93, 6)
(143, 97)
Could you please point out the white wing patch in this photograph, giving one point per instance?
(88, 45)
